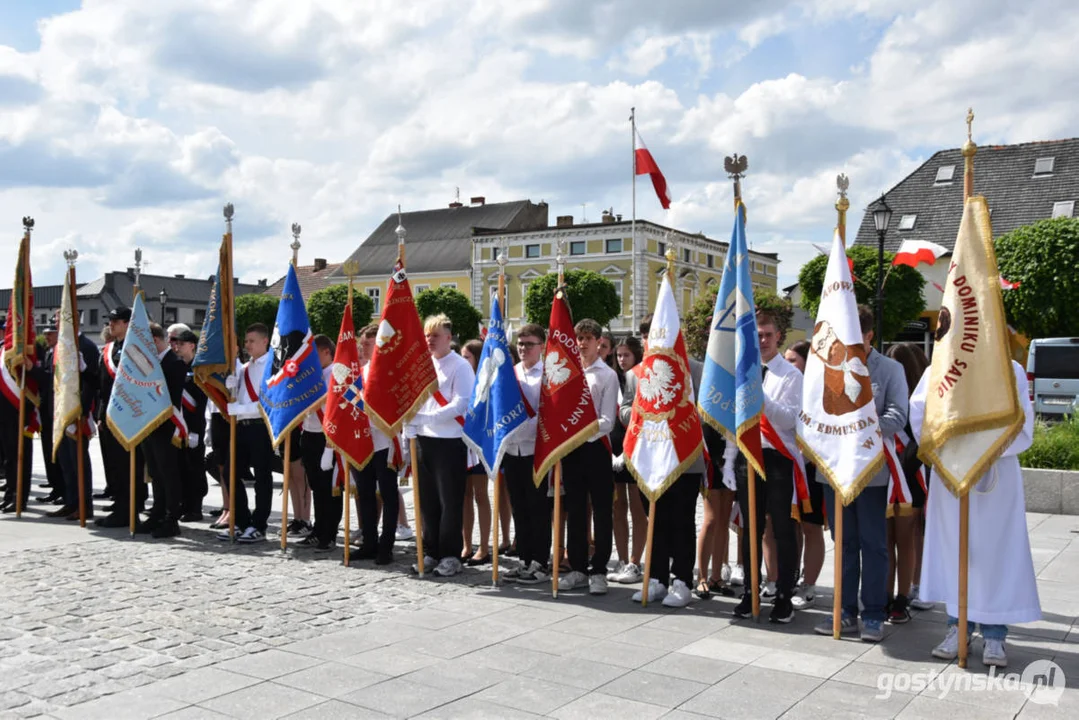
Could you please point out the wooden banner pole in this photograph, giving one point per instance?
(754, 544)
(232, 478)
(284, 491)
(496, 506)
(969, 149)
(131, 490)
(648, 551)
(837, 551)
(556, 529)
(414, 459)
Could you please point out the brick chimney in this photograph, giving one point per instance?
(564, 221)
(478, 200)
(320, 264)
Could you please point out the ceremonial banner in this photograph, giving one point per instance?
(972, 412)
(497, 407)
(19, 338)
(215, 356)
(292, 383)
(347, 427)
(838, 427)
(140, 399)
(664, 435)
(402, 375)
(567, 416)
(731, 397)
(67, 405)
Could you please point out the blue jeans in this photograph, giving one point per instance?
(989, 632)
(865, 554)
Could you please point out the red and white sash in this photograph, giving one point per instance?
(179, 435)
(443, 402)
(801, 486)
(899, 497)
(106, 357)
(251, 392)
(188, 402)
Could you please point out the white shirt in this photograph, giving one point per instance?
(603, 384)
(782, 388)
(246, 408)
(312, 423)
(377, 436)
(524, 442)
(211, 407)
(455, 381)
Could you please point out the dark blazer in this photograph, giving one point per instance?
(104, 383)
(195, 419)
(90, 378)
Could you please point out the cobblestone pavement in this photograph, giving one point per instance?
(96, 625)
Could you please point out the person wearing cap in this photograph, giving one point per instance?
(115, 458)
(193, 454)
(53, 476)
(163, 458)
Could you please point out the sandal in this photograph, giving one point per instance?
(719, 588)
(704, 589)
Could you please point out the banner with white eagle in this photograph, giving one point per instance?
(664, 436)
(838, 428)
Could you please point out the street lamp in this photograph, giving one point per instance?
(881, 217)
(164, 298)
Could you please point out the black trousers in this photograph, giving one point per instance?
(774, 498)
(118, 470)
(194, 477)
(377, 475)
(674, 540)
(255, 451)
(328, 507)
(68, 457)
(164, 463)
(53, 474)
(531, 510)
(10, 434)
(587, 474)
(443, 469)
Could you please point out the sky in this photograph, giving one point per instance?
(126, 123)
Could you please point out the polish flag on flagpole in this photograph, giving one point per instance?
(915, 252)
(646, 165)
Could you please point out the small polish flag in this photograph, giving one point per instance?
(915, 252)
(850, 261)
(1008, 284)
(645, 164)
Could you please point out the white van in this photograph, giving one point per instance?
(1053, 374)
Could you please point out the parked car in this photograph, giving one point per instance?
(1053, 374)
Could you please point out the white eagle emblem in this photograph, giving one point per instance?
(658, 385)
(487, 374)
(385, 333)
(555, 369)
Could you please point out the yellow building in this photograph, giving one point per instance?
(457, 247)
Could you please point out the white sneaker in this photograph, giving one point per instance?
(949, 646)
(916, 602)
(404, 533)
(572, 580)
(993, 654)
(250, 535)
(448, 567)
(656, 592)
(804, 598)
(725, 574)
(597, 585)
(738, 576)
(768, 592)
(428, 564)
(617, 569)
(626, 575)
(511, 574)
(535, 575)
(679, 595)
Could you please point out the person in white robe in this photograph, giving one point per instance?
(999, 547)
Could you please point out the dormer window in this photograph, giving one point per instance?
(1043, 166)
(906, 222)
(945, 173)
(1064, 208)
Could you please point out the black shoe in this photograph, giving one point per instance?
(112, 520)
(50, 498)
(62, 512)
(782, 610)
(114, 507)
(384, 557)
(365, 552)
(192, 516)
(165, 529)
(103, 495)
(149, 525)
(744, 609)
(898, 612)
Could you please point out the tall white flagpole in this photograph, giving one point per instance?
(633, 220)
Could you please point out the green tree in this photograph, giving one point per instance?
(590, 295)
(255, 308)
(325, 308)
(456, 305)
(903, 300)
(1042, 258)
(697, 323)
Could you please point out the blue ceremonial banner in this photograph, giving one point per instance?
(215, 355)
(140, 400)
(731, 397)
(497, 407)
(292, 384)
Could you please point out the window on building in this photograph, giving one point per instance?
(757, 267)
(449, 285)
(200, 317)
(494, 252)
(93, 317)
(1043, 166)
(687, 255)
(422, 288)
(524, 292)
(532, 251)
(662, 249)
(577, 247)
(618, 290)
(945, 173)
(710, 260)
(906, 222)
(1065, 208)
(376, 297)
(614, 245)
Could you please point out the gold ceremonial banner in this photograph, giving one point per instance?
(67, 407)
(971, 412)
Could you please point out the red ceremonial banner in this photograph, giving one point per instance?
(402, 374)
(567, 416)
(347, 427)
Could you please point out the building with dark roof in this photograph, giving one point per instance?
(46, 303)
(312, 278)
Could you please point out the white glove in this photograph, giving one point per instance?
(193, 440)
(326, 463)
(728, 477)
(618, 463)
(231, 383)
(209, 444)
